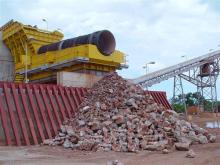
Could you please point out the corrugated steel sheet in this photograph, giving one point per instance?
(31, 113)
(160, 97)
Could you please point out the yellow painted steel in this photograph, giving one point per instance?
(22, 39)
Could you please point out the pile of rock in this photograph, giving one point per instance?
(117, 115)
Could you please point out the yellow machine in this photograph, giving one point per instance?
(40, 54)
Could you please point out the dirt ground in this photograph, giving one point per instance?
(208, 154)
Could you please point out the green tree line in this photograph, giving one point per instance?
(191, 99)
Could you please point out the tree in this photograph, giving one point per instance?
(191, 99)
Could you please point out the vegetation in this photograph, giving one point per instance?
(191, 99)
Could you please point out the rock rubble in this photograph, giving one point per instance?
(117, 115)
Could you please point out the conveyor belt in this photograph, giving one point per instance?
(169, 72)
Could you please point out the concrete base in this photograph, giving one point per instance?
(73, 79)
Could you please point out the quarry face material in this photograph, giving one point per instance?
(117, 115)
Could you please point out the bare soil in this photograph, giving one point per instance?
(208, 154)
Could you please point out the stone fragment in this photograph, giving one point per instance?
(107, 123)
(111, 90)
(118, 119)
(109, 163)
(211, 138)
(182, 146)
(190, 154)
(70, 131)
(63, 129)
(62, 134)
(81, 123)
(167, 129)
(103, 107)
(95, 125)
(131, 102)
(115, 162)
(48, 142)
(203, 139)
(165, 151)
(74, 139)
(87, 145)
(67, 144)
(85, 109)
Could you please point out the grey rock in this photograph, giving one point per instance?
(212, 138)
(62, 134)
(156, 146)
(167, 129)
(131, 102)
(203, 139)
(67, 144)
(85, 109)
(116, 162)
(193, 136)
(184, 139)
(190, 154)
(63, 129)
(97, 104)
(169, 112)
(165, 151)
(70, 131)
(48, 142)
(81, 123)
(148, 123)
(109, 163)
(198, 129)
(118, 119)
(95, 125)
(182, 146)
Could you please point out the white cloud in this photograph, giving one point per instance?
(147, 30)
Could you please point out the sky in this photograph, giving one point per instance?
(145, 30)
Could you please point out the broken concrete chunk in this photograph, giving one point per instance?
(131, 102)
(118, 119)
(203, 139)
(63, 129)
(165, 151)
(182, 146)
(70, 131)
(211, 138)
(48, 142)
(190, 154)
(120, 116)
(94, 125)
(67, 144)
(85, 109)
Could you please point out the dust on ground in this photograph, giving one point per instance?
(207, 154)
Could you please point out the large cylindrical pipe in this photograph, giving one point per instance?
(104, 40)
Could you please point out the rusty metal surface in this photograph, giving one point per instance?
(30, 113)
(160, 98)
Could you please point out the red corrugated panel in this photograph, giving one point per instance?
(11, 114)
(27, 114)
(160, 98)
(21, 120)
(39, 108)
(4, 123)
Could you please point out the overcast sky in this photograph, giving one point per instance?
(146, 30)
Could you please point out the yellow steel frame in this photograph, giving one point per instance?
(16, 36)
